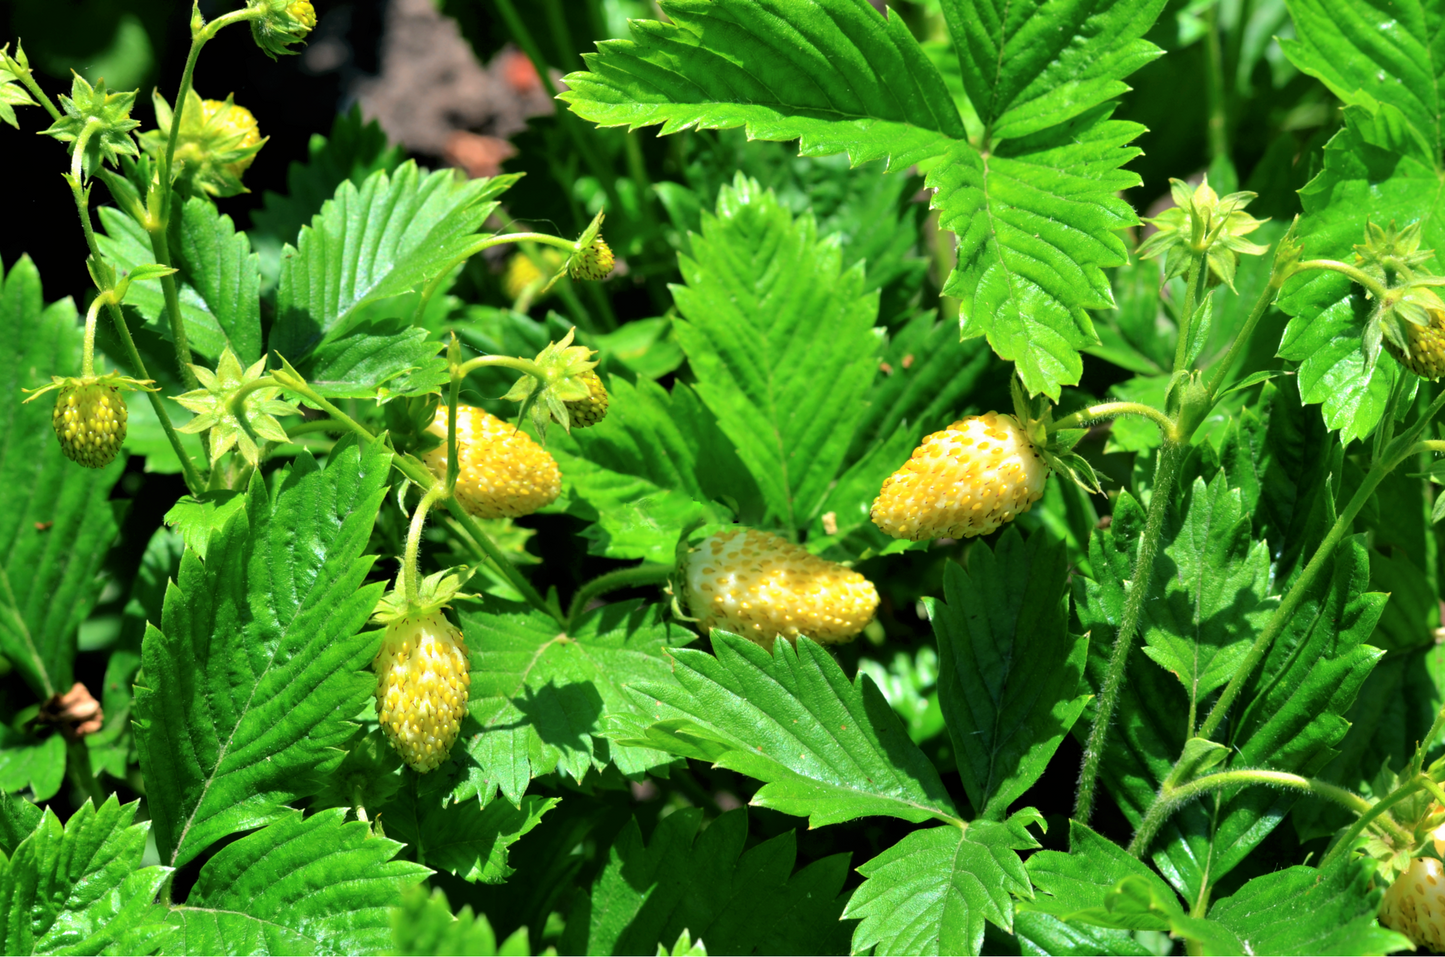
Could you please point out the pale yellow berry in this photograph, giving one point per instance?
(761, 586)
(967, 480)
(502, 473)
(422, 681)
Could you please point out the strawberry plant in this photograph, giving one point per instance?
(928, 498)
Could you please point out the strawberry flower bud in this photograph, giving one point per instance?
(281, 24)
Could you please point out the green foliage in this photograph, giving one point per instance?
(933, 890)
(541, 698)
(1031, 197)
(79, 888)
(252, 676)
(705, 884)
(752, 712)
(1242, 635)
(1009, 669)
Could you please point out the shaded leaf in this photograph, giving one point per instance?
(1009, 671)
(702, 881)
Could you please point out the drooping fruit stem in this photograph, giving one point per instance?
(413, 540)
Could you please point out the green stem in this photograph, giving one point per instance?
(1194, 285)
(23, 75)
(1143, 574)
(454, 388)
(77, 157)
(78, 759)
(194, 482)
(162, 250)
(87, 353)
(1373, 285)
(316, 425)
(1322, 556)
(422, 476)
(510, 362)
(410, 569)
(1109, 410)
(645, 574)
(1261, 306)
(430, 291)
(1348, 839)
(1171, 799)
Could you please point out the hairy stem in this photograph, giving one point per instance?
(646, 574)
(1348, 839)
(410, 569)
(23, 75)
(194, 482)
(1373, 285)
(1170, 800)
(1261, 306)
(1143, 575)
(1108, 410)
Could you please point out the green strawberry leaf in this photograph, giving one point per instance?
(301, 885)
(219, 277)
(541, 699)
(1304, 910)
(18, 818)
(825, 748)
(28, 761)
(255, 669)
(1034, 201)
(423, 926)
(1009, 671)
(770, 320)
(932, 891)
(379, 240)
(702, 881)
(55, 520)
(1279, 454)
(462, 838)
(1212, 586)
(1365, 62)
(80, 888)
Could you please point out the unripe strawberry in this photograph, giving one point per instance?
(502, 472)
(90, 422)
(595, 262)
(1427, 347)
(966, 480)
(593, 409)
(232, 124)
(1415, 903)
(760, 585)
(422, 681)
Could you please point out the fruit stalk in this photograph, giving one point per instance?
(194, 483)
(648, 573)
(422, 476)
